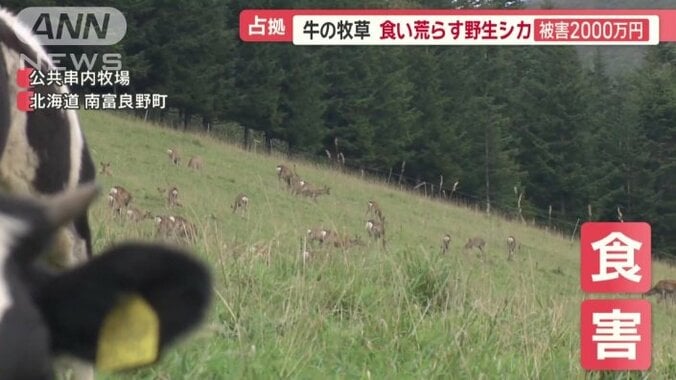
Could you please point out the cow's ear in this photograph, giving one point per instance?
(122, 308)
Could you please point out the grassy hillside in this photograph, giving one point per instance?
(364, 313)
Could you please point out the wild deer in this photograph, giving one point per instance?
(284, 173)
(105, 169)
(166, 225)
(663, 287)
(316, 234)
(119, 198)
(445, 242)
(173, 226)
(172, 198)
(296, 185)
(376, 230)
(196, 163)
(241, 203)
(511, 247)
(476, 242)
(184, 228)
(314, 192)
(374, 209)
(174, 156)
(331, 236)
(136, 215)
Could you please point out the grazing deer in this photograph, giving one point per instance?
(316, 234)
(196, 163)
(105, 169)
(331, 236)
(119, 198)
(184, 228)
(662, 288)
(376, 230)
(241, 203)
(476, 242)
(136, 215)
(172, 198)
(445, 242)
(174, 156)
(165, 225)
(511, 247)
(313, 192)
(171, 226)
(374, 209)
(284, 173)
(297, 185)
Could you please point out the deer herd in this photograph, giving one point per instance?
(178, 227)
(174, 226)
(167, 226)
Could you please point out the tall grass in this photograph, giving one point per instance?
(407, 312)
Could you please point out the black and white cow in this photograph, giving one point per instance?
(44, 151)
(46, 313)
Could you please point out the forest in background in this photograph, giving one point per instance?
(501, 121)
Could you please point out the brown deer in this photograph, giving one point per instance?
(376, 230)
(119, 198)
(165, 225)
(511, 247)
(313, 192)
(172, 198)
(284, 173)
(374, 209)
(316, 234)
(196, 163)
(105, 169)
(184, 228)
(445, 242)
(174, 156)
(136, 215)
(170, 226)
(332, 236)
(297, 185)
(476, 242)
(663, 287)
(241, 203)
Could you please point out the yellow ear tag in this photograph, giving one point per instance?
(129, 336)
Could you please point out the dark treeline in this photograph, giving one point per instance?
(500, 120)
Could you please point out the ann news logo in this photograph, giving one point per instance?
(68, 26)
(615, 334)
(75, 25)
